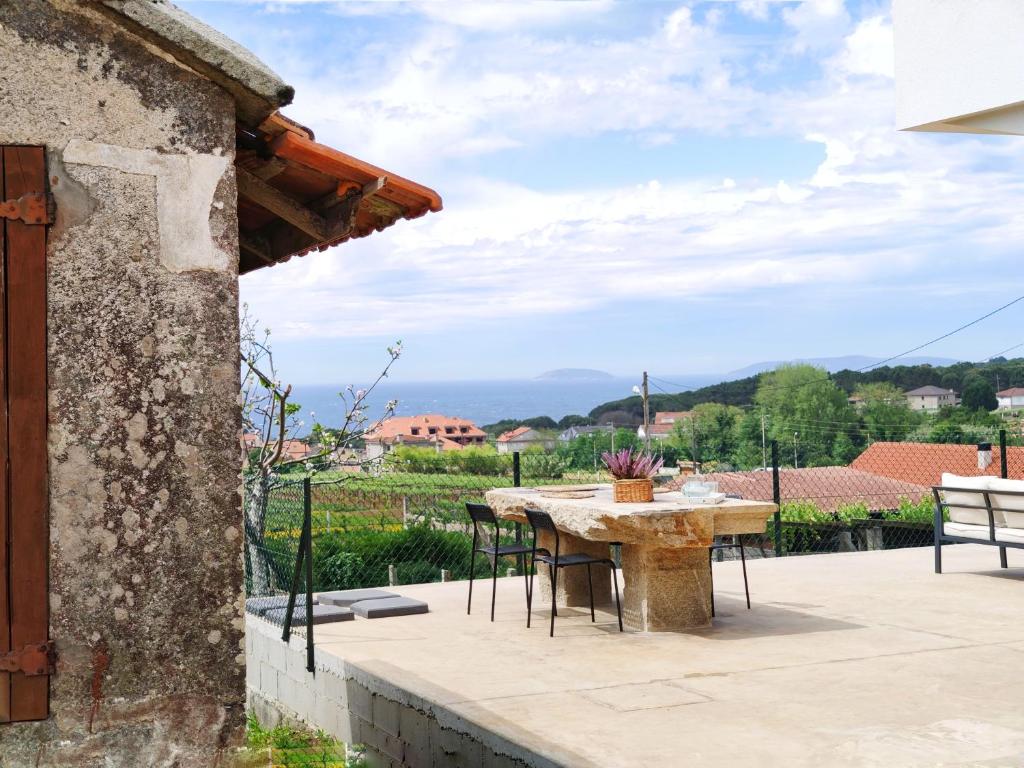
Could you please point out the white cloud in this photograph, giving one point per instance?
(869, 49)
(880, 210)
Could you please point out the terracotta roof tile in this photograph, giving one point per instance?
(924, 463)
(512, 434)
(403, 426)
(828, 487)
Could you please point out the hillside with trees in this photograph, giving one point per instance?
(975, 381)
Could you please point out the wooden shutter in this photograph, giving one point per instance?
(25, 653)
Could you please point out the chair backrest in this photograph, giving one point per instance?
(481, 513)
(540, 521)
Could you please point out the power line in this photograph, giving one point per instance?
(1002, 352)
(945, 335)
(677, 384)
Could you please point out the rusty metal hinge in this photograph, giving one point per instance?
(31, 208)
(32, 659)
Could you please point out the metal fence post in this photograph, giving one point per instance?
(517, 479)
(307, 530)
(777, 498)
(1003, 470)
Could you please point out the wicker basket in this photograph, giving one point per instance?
(633, 491)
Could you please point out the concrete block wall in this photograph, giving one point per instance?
(397, 728)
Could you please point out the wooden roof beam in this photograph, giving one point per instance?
(287, 208)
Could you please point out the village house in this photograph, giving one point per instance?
(430, 430)
(1010, 399)
(144, 166)
(521, 438)
(931, 398)
(570, 434)
(664, 423)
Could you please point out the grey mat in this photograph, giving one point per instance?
(260, 605)
(322, 614)
(346, 597)
(389, 606)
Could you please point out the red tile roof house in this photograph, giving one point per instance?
(664, 423)
(444, 433)
(521, 438)
(924, 463)
(1011, 398)
(827, 487)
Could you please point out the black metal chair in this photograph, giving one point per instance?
(542, 521)
(481, 514)
(736, 543)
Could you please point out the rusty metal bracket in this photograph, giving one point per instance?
(31, 208)
(32, 659)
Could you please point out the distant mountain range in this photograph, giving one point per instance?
(833, 364)
(575, 374)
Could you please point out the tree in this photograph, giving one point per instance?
(269, 417)
(574, 420)
(805, 411)
(710, 434)
(978, 394)
(885, 411)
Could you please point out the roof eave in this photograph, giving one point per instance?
(257, 90)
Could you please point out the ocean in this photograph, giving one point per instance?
(483, 402)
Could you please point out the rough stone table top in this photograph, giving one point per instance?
(671, 520)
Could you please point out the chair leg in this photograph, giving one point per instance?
(554, 598)
(529, 598)
(711, 576)
(551, 581)
(472, 566)
(938, 556)
(590, 585)
(1002, 557)
(618, 605)
(494, 584)
(743, 560)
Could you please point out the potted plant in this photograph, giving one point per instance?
(632, 473)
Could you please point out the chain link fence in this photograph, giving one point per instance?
(383, 525)
(400, 523)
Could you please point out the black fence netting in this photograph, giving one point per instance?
(381, 524)
(401, 522)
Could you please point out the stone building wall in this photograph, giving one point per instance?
(145, 531)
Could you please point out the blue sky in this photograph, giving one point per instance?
(681, 187)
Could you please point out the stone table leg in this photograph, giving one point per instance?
(666, 589)
(572, 582)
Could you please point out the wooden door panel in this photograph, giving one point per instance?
(24, 172)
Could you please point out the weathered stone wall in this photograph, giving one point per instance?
(143, 377)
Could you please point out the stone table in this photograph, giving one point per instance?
(665, 563)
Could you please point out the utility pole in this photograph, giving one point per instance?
(796, 461)
(647, 417)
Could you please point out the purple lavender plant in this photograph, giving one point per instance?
(626, 465)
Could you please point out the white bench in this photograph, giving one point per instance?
(982, 510)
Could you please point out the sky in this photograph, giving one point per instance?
(681, 187)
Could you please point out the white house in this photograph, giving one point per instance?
(664, 424)
(931, 398)
(521, 438)
(1011, 399)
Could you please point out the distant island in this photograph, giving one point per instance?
(575, 374)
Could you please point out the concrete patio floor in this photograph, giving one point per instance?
(845, 659)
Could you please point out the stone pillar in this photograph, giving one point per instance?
(666, 589)
(572, 582)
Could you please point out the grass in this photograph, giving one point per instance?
(288, 746)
